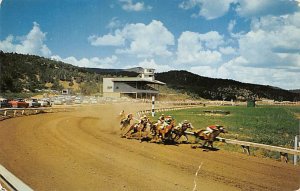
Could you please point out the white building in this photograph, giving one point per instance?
(142, 86)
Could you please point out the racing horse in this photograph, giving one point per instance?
(125, 122)
(165, 133)
(207, 137)
(180, 131)
(138, 128)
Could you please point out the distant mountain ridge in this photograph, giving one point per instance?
(222, 89)
(27, 72)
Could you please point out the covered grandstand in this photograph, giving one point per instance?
(142, 86)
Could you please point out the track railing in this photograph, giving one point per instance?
(246, 148)
(15, 112)
(244, 144)
(11, 182)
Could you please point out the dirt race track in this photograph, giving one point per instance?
(82, 150)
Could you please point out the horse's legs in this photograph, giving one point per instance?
(186, 137)
(211, 144)
(204, 143)
(130, 128)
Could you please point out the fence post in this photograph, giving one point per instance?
(153, 102)
(296, 147)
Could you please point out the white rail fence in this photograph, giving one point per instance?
(244, 144)
(16, 112)
(246, 148)
(11, 182)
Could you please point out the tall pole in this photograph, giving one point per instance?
(153, 101)
(296, 144)
(296, 147)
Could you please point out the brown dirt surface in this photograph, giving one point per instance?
(82, 150)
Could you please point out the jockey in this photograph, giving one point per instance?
(143, 121)
(126, 121)
(213, 128)
(168, 119)
(186, 125)
(122, 114)
(161, 119)
(129, 116)
(182, 127)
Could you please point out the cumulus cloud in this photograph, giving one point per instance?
(256, 8)
(113, 23)
(94, 62)
(32, 43)
(212, 9)
(151, 63)
(268, 54)
(231, 25)
(278, 77)
(128, 5)
(209, 9)
(272, 41)
(142, 40)
(200, 49)
(107, 40)
(228, 50)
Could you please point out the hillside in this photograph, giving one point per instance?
(28, 73)
(218, 89)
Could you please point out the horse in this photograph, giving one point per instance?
(179, 131)
(138, 128)
(207, 137)
(164, 133)
(125, 122)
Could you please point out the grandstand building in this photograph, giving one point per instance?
(142, 86)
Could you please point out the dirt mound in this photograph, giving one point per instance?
(82, 150)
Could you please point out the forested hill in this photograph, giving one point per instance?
(21, 73)
(218, 89)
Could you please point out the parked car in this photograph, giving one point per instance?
(45, 102)
(57, 102)
(77, 100)
(19, 103)
(33, 102)
(4, 103)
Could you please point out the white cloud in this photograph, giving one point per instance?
(114, 23)
(196, 48)
(227, 50)
(107, 40)
(209, 9)
(150, 63)
(231, 25)
(94, 62)
(236, 70)
(207, 71)
(148, 40)
(32, 43)
(142, 40)
(128, 5)
(212, 9)
(256, 8)
(268, 54)
(272, 42)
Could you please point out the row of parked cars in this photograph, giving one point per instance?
(55, 100)
(24, 103)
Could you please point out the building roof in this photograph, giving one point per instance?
(137, 79)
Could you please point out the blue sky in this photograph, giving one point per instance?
(254, 41)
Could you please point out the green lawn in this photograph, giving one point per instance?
(272, 125)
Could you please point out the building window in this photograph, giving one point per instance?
(117, 87)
